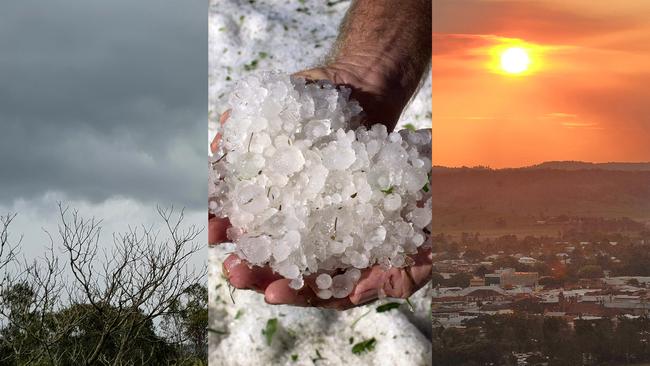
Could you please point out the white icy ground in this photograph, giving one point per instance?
(289, 35)
(403, 337)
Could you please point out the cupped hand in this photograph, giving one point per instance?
(375, 282)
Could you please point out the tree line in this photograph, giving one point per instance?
(499, 339)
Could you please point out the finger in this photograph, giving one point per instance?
(222, 120)
(395, 282)
(242, 275)
(312, 75)
(224, 116)
(421, 270)
(217, 229)
(367, 289)
(279, 292)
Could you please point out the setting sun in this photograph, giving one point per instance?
(515, 60)
(514, 57)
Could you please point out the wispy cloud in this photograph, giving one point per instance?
(559, 115)
(591, 126)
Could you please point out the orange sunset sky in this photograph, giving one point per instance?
(585, 96)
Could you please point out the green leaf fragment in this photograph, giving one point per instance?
(269, 331)
(411, 307)
(251, 66)
(364, 346)
(359, 318)
(388, 307)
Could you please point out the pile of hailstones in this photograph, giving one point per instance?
(308, 190)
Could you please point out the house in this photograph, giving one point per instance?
(476, 281)
(527, 260)
(470, 294)
(492, 279)
(510, 278)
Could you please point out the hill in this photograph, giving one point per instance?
(580, 165)
(479, 197)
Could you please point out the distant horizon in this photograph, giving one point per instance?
(474, 166)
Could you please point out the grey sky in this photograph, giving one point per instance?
(104, 98)
(103, 105)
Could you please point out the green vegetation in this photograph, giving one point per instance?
(388, 190)
(251, 66)
(545, 340)
(135, 302)
(388, 307)
(409, 126)
(181, 338)
(270, 329)
(364, 346)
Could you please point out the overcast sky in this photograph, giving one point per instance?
(586, 99)
(103, 105)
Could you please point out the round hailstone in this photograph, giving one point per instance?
(358, 260)
(317, 128)
(324, 294)
(251, 198)
(421, 216)
(323, 281)
(289, 270)
(354, 274)
(287, 160)
(297, 283)
(256, 250)
(417, 239)
(338, 157)
(341, 286)
(309, 190)
(392, 202)
(285, 246)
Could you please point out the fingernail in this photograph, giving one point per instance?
(228, 264)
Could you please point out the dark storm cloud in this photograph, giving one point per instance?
(104, 98)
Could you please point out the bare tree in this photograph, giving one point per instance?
(8, 250)
(117, 293)
(28, 294)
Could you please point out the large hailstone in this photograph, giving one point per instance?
(311, 192)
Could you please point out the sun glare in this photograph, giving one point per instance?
(515, 60)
